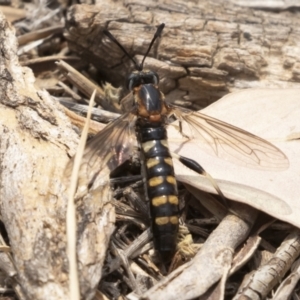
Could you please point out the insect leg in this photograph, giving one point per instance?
(178, 116)
(193, 165)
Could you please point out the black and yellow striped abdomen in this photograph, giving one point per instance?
(161, 188)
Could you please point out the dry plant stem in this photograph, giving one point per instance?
(126, 264)
(211, 262)
(262, 281)
(79, 121)
(71, 215)
(136, 248)
(245, 254)
(68, 90)
(13, 14)
(143, 279)
(51, 59)
(125, 210)
(39, 34)
(249, 248)
(135, 200)
(286, 288)
(83, 84)
(99, 114)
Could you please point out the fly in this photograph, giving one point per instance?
(146, 125)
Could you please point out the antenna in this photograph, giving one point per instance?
(112, 38)
(156, 35)
(138, 67)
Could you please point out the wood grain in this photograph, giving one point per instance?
(207, 49)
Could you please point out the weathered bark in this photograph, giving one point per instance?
(207, 49)
(37, 140)
(34, 151)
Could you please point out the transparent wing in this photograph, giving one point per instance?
(108, 149)
(228, 142)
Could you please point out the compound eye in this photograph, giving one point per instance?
(155, 78)
(132, 81)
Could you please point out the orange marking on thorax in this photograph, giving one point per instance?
(155, 118)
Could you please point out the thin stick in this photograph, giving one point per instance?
(71, 210)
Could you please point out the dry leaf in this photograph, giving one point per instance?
(273, 115)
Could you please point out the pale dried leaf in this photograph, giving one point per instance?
(273, 115)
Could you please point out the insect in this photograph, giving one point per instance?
(145, 125)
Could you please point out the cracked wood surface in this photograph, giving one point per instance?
(207, 49)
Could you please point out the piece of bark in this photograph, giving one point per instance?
(261, 282)
(206, 51)
(37, 140)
